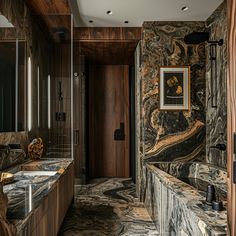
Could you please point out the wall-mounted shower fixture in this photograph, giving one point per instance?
(79, 75)
(61, 34)
(60, 97)
(200, 37)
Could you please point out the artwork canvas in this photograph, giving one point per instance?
(174, 88)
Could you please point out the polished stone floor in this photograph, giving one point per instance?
(107, 207)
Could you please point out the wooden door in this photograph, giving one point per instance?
(108, 109)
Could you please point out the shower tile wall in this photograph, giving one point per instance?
(216, 118)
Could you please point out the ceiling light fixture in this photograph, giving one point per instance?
(184, 8)
(109, 13)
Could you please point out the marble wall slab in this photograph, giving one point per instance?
(139, 144)
(172, 135)
(216, 118)
(15, 138)
(12, 157)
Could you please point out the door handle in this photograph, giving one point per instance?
(119, 134)
(76, 137)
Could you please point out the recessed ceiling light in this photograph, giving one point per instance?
(184, 8)
(91, 21)
(126, 22)
(109, 12)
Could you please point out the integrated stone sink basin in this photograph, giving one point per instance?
(35, 173)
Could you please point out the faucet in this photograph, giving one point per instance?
(219, 146)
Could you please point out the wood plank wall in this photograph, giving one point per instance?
(107, 33)
(108, 45)
(231, 113)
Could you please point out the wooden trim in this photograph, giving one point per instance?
(127, 122)
(231, 114)
(106, 40)
(107, 33)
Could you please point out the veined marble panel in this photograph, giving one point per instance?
(10, 157)
(216, 118)
(107, 207)
(203, 171)
(171, 135)
(178, 208)
(15, 138)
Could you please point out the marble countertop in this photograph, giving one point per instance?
(27, 192)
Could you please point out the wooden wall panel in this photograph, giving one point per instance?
(108, 53)
(46, 7)
(107, 33)
(231, 113)
(108, 107)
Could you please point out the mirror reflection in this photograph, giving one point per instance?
(12, 78)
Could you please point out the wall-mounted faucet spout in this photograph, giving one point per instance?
(220, 146)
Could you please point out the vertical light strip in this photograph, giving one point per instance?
(30, 197)
(38, 84)
(16, 89)
(72, 93)
(29, 95)
(2, 112)
(49, 102)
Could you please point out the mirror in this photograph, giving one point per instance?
(12, 78)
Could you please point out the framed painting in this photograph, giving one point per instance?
(175, 88)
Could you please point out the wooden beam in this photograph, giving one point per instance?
(107, 33)
(49, 7)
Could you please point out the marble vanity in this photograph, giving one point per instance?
(40, 195)
(175, 198)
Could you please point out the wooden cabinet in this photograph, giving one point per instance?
(48, 217)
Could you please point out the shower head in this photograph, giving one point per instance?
(200, 37)
(196, 37)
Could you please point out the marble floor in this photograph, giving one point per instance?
(107, 207)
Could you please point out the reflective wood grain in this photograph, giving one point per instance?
(231, 113)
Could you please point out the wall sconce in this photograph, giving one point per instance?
(17, 85)
(29, 95)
